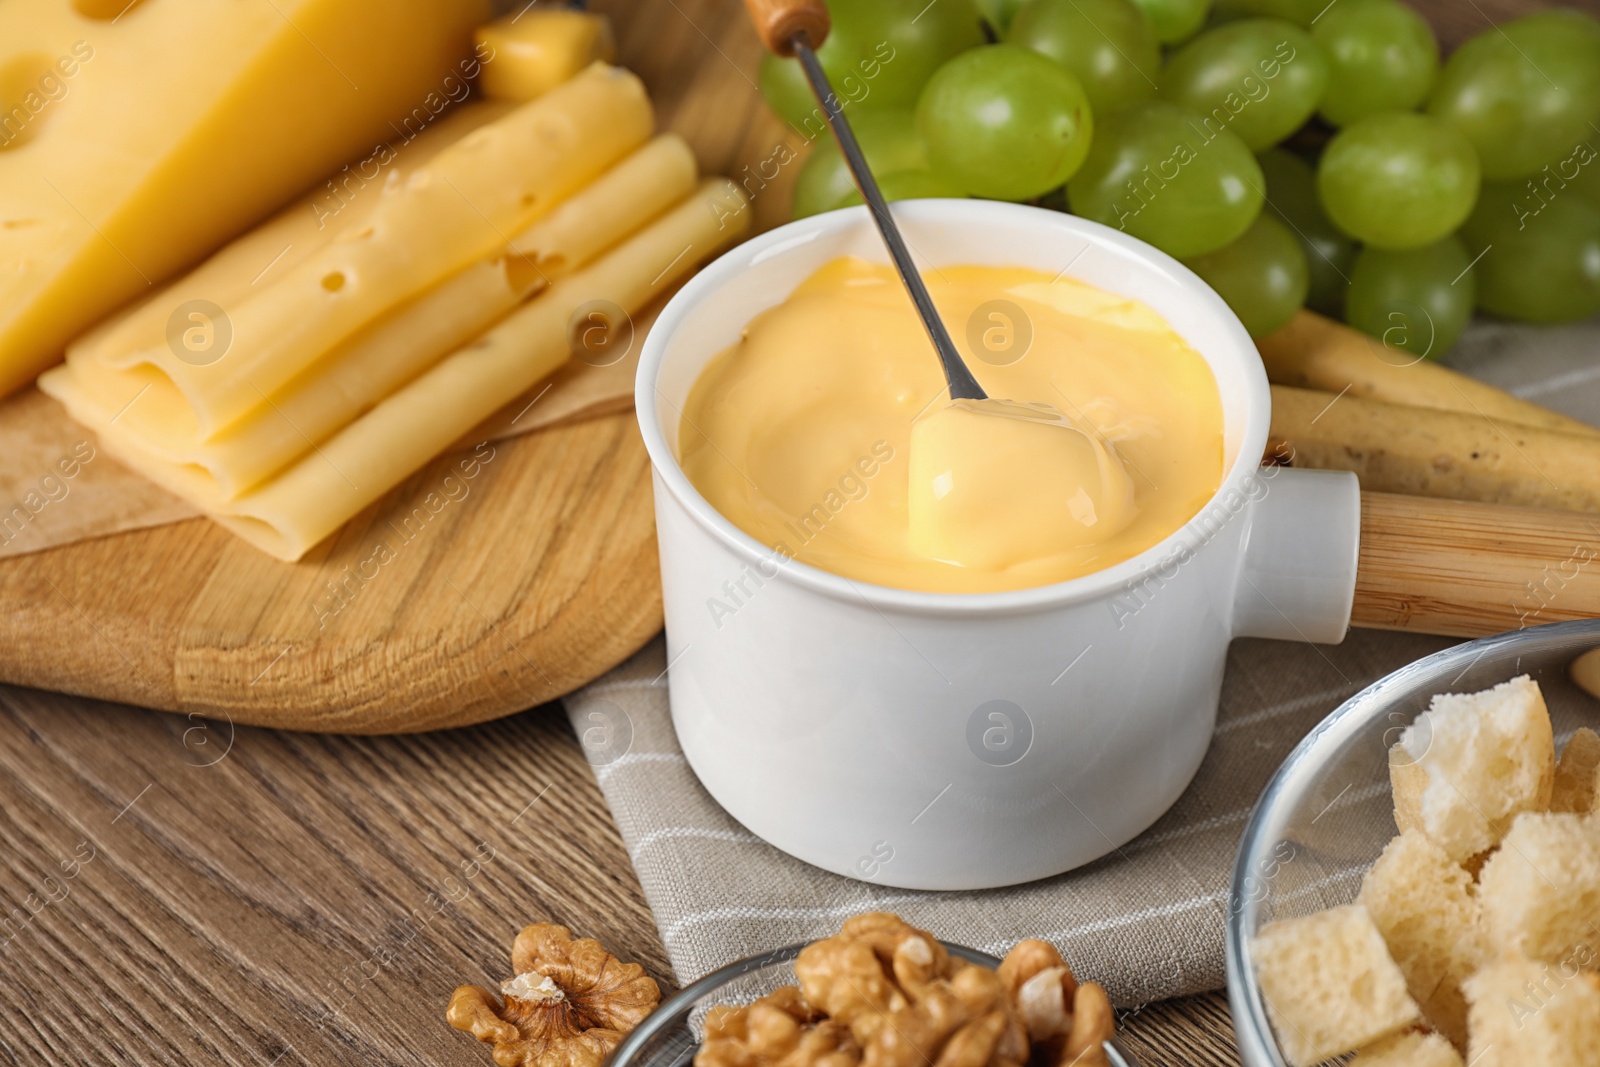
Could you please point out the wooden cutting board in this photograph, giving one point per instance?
(541, 578)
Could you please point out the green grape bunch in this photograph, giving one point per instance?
(1293, 153)
(1160, 173)
(1261, 78)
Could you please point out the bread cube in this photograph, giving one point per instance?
(1487, 757)
(1422, 903)
(1329, 984)
(1574, 788)
(1526, 1013)
(1409, 1050)
(1540, 892)
(1407, 782)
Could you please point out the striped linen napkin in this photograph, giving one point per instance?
(1147, 920)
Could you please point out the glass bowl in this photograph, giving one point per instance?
(670, 1036)
(1327, 814)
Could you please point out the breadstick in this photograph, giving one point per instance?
(1317, 353)
(1430, 452)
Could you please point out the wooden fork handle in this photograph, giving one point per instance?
(1464, 569)
(777, 21)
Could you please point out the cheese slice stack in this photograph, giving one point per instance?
(136, 137)
(321, 364)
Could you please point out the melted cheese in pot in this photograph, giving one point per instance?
(828, 434)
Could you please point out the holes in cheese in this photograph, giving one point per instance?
(643, 186)
(105, 10)
(389, 352)
(177, 126)
(460, 206)
(289, 514)
(375, 453)
(263, 255)
(29, 85)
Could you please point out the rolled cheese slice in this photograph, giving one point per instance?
(394, 349)
(268, 252)
(288, 515)
(461, 206)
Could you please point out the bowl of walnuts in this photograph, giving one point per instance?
(879, 993)
(1420, 883)
(883, 993)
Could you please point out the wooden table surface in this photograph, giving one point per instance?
(178, 891)
(182, 891)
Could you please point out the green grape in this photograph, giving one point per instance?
(1260, 78)
(888, 137)
(1108, 44)
(1541, 257)
(1524, 93)
(1582, 170)
(1292, 195)
(1156, 171)
(1398, 180)
(1005, 123)
(907, 185)
(1578, 168)
(878, 50)
(1417, 301)
(787, 93)
(999, 13)
(1382, 56)
(1299, 12)
(1563, 20)
(1175, 21)
(1262, 275)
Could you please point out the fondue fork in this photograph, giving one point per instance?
(796, 28)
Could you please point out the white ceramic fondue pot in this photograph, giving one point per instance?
(964, 741)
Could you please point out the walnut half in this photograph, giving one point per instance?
(1068, 1023)
(569, 1004)
(779, 1030)
(908, 1002)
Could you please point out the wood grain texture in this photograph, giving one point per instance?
(444, 604)
(1466, 570)
(777, 21)
(514, 596)
(255, 897)
(542, 578)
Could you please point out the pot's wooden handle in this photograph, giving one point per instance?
(777, 21)
(1463, 569)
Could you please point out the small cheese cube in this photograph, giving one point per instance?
(529, 52)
